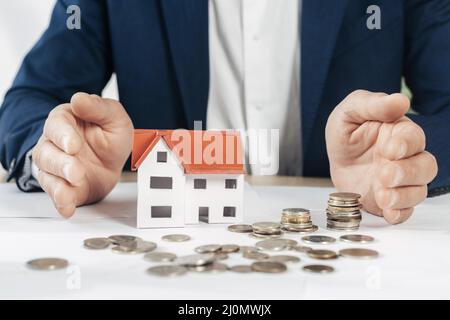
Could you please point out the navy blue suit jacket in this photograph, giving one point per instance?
(159, 51)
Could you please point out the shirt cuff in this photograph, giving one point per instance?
(27, 180)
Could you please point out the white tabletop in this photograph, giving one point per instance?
(414, 257)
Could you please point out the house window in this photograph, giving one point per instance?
(161, 212)
(230, 184)
(203, 214)
(229, 211)
(161, 182)
(199, 183)
(161, 156)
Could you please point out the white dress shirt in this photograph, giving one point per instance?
(254, 50)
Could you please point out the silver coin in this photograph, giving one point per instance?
(266, 226)
(176, 237)
(300, 230)
(358, 253)
(195, 260)
(334, 228)
(167, 270)
(302, 249)
(318, 239)
(134, 247)
(318, 268)
(160, 256)
(296, 211)
(272, 244)
(47, 264)
(229, 248)
(265, 236)
(240, 228)
(345, 196)
(97, 243)
(119, 239)
(241, 268)
(255, 255)
(268, 267)
(284, 259)
(220, 255)
(247, 248)
(208, 248)
(356, 238)
(212, 267)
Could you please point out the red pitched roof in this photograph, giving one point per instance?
(199, 151)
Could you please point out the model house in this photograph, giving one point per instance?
(188, 176)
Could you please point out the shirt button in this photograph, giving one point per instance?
(258, 107)
(255, 37)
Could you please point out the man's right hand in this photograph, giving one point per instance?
(82, 150)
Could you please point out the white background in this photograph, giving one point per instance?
(21, 24)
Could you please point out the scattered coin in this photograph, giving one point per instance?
(300, 248)
(268, 267)
(284, 259)
(211, 267)
(220, 255)
(241, 269)
(134, 247)
(359, 253)
(119, 239)
(255, 255)
(176, 237)
(208, 248)
(318, 268)
(97, 243)
(274, 244)
(322, 254)
(247, 248)
(160, 256)
(300, 230)
(229, 248)
(318, 239)
(357, 238)
(200, 259)
(48, 264)
(240, 228)
(167, 270)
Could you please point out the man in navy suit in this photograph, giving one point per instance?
(314, 69)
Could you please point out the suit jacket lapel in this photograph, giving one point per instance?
(187, 30)
(321, 21)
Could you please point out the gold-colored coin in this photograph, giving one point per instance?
(47, 264)
(318, 268)
(322, 254)
(359, 253)
(268, 267)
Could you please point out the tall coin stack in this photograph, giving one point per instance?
(343, 211)
(297, 220)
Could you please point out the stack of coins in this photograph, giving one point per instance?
(265, 230)
(343, 211)
(297, 220)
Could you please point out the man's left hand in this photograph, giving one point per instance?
(376, 151)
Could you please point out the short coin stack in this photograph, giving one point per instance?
(343, 211)
(266, 230)
(297, 220)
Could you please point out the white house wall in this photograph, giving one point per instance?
(215, 197)
(148, 197)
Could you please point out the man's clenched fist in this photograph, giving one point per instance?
(375, 150)
(82, 150)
